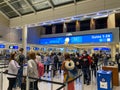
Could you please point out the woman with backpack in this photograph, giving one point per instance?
(33, 71)
(67, 65)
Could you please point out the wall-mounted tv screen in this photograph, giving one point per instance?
(2, 46)
(35, 48)
(13, 47)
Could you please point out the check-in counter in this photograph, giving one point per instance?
(115, 74)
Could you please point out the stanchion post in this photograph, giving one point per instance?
(66, 87)
(82, 82)
(96, 79)
(51, 79)
(92, 73)
(27, 83)
(1, 80)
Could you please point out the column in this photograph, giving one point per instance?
(111, 21)
(77, 25)
(113, 51)
(64, 27)
(92, 24)
(24, 38)
(53, 29)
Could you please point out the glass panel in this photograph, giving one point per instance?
(12, 14)
(13, 1)
(3, 4)
(58, 2)
(1, 1)
(43, 5)
(20, 4)
(25, 10)
(6, 9)
(80, 0)
(36, 1)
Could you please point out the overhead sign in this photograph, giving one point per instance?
(88, 38)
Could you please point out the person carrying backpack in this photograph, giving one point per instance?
(20, 58)
(67, 66)
(33, 71)
(55, 64)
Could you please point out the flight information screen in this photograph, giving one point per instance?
(88, 38)
(35, 48)
(13, 47)
(2, 46)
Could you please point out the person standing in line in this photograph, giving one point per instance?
(66, 72)
(38, 57)
(20, 58)
(60, 59)
(94, 64)
(12, 69)
(47, 62)
(85, 64)
(105, 59)
(33, 71)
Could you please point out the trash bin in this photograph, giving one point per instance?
(104, 80)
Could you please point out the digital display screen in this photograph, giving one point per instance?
(35, 48)
(102, 48)
(28, 48)
(50, 49)
(88, 38)
(2, 46)
(13, 47)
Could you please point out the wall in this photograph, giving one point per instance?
(4, 28)
(83, 7)
(34, 35)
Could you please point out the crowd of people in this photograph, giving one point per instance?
(58, 62)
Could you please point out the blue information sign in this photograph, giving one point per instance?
(28, 48)
(2, 46)
(88, 38)
(13, 47)
(35, 48)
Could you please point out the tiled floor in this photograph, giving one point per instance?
(58, 78)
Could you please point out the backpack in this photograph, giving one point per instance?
(20, 59)
(40, 69)
(71, 68)
(56, 59)
(73, 73)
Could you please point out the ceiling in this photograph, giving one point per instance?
(17, 8)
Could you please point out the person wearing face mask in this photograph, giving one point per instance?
(85, 65)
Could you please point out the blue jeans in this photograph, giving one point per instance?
(86, 73)
(19, 78)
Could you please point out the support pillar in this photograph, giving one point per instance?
(53, 29)
(24, 39)
(64, 27)
(113, 51)
(77, 25)
(92, 24)
(111, 21)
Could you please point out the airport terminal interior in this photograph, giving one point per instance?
(59, 44)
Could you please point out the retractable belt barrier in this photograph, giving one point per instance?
(39, 80)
